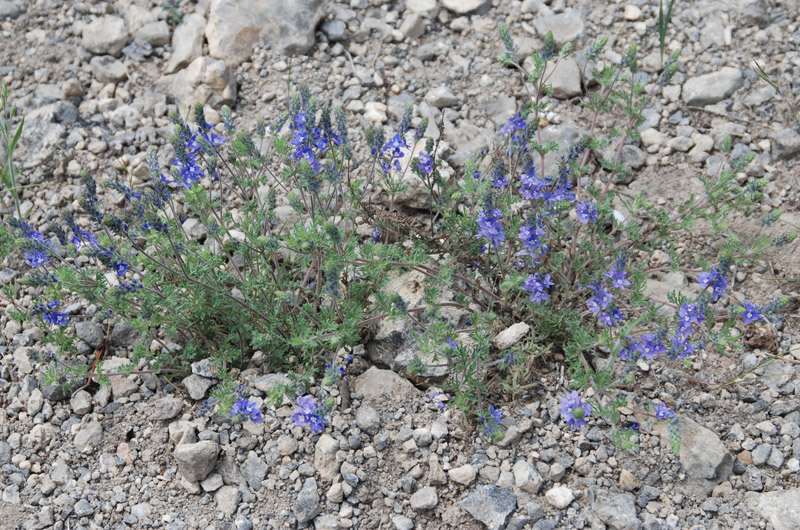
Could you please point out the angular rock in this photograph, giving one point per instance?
(566, 79)
(197, 386)
(377, 385)
(335, 30)
(254, 470)
(206, 81)
(424, 499)
(781, 508)
(196, 460)
(510, 336)
(560, 497)
(566, 27)
(307, 506)
(368, 419)
(490, 505)
(467, 7)
(615, 510)
(710, 88)
(228, 499)
(90, 435)
(91, 333)
(107, 69)
(704, 457)
(441, 97)
(9, 9)
(526, 477)
(754, 12)
(234, 26)
(154, 33)
(325, 457)
(81, 402)
(187, 42)
(785, 144)
(106, 35)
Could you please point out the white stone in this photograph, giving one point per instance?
(632, 12)
(462, 475)
(560, 497)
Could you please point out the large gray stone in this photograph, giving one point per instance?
(206, 81)
(234, 26)
(307, 506)
(90, 435)
(780, 508)
(467, 7)
(566, 27)
(377, 385)
(490, 505)
(108, 69)
(704, 457)
(785, 144)
(187, 42)
(9, 9)
(710, 88)
(196, 460)
(566, 79)
(615, 510)
(106, 35)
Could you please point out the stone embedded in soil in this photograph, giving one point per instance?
(108, 69)
(106, 35)
(526, 477)
(325, 457)
(560, 497)
(566, 79)
(254, 470)
(566, 27)
(206, 81)
(463, 475)
(234, 26)
(368, 419)
(614, 510)
(780, 508)
(710, 88)
(467, 7)
(81, 402)
(187, 42)
(197, 386)
(785, 144)
(424, 499)
(307, 506)
(377, 385)
(90, 435)
(490, 505)
(510, 336)
(704, 457)
(166, 408)
(228, 499)
(196, 460)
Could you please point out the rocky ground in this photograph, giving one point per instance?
(98, 79)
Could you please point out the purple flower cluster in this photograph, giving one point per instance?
(574, 410)
(490, 226)
(586, 211)
(716, 279)
(46, 313)
(308, 413)
(751, 313)
(492, 423)
(538, 284)
(244, 408)
(531, 234)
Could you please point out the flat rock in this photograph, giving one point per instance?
(424, 499)
(254, 470)
(785, 144)
(154, 33)
(615, 510)
(510, 336)
(307, 506)
(227, 499)
(441, 97)
(490, 505)
(566, 27)
(234, 26)
(463, 475)
(107, 69)
(780, 508)
(206, 81)
(187, 42)
(196, 460)
(377, 385)
(106, 35)
(325, 457)
(9, 9)
(81, 402)
(467, 7)
(710, 88)
(90, 435)
(566, 79)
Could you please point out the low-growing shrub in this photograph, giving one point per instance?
(206, 262)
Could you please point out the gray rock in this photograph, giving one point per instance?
(781, 508)
(401, 522)
(754, 12)
(107, 69)
(711, 88)
(441, 97)
(467, 7)
(90, 435)
(510, 336)
(81, 402)
(566, 79)
(228, 499)
(205, 368)
(704, 457)
(106, 35)
(9, 9)
(187, 42)
(761, 454)
(196, 460)
(206, 81)
(287, 445)
(40, 139)
(243, 523)
(424, 499)
(490, 505)
(785, 144)
(776, 458)
(254, 470)
(526, 477)
(325, 457)
(91, 333)
(123, 335)
(213, 482)
(266, 383)
(307, 506)
(560, 497)
(5, 453)
(469, 139)
(413, 26)
(566, 27)
(335, 30)
(234, 26)
(35, 402)
(197, 386)
(615, 510)
(377, 385)
(368, 419)
(83, 508)
(154, 33)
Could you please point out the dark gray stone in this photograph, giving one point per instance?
(254, 470)
(307, 506)
(490, 505)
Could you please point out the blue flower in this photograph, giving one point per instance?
(716, 280)
(651, 345)
(586, 211)
(689, 314)
(396, 143)
(376, 235)
(244, 407)
(37, 258)
(538, 284)
(611, 318)
(574, 410)
(663, 412)
(599, 299)
(310, 414)
(490, 226)
(46, 313)
(497, 414)
(514, 123)
(425, 163)
(617, 276)
(751, 313)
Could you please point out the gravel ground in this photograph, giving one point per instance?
(99, 78)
